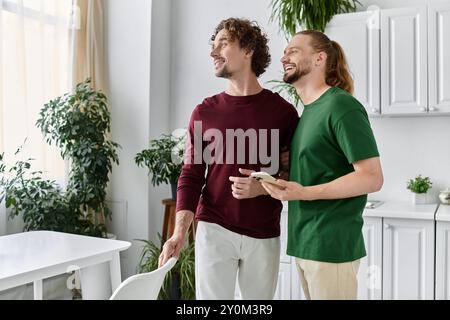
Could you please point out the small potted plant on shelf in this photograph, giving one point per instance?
(164, 159)
(419, 186)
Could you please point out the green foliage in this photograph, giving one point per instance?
(76, 123)
(308, 14)
(419, 184)
(164, 159)
(291, 92)
(41, 201)
(184, 269)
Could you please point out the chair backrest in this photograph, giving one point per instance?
(144, 286)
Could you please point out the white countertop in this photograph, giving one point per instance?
(403, 210)
(443, 213)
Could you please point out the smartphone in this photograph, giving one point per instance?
(263, 176)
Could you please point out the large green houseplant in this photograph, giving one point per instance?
(164, 159)
(78, 124)
(180, 280)
(308, 14)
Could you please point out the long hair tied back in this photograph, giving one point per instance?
(337, 73)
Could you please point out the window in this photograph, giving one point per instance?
(35, 66)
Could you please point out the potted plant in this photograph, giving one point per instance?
(164, 159)
(308, 14)
(78, 123)
(180, 280)
(419, 186)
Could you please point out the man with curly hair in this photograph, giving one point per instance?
(238, 223)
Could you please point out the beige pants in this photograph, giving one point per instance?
(328, 281)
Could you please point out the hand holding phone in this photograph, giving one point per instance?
(263, 176)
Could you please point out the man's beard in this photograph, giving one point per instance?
(224, 73)
(299, 72)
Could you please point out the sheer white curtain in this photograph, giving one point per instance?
(35, 66)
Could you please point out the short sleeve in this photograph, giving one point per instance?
(355, 136)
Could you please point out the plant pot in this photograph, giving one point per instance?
(175, 293)
(419, 198)
(173, 186)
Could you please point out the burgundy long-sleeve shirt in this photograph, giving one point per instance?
(205, 188)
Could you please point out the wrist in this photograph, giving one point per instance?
(310, 193)
(179, 233)
(262, 191)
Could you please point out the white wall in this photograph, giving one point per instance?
(193, 23)
(128, 60)
(138, 42)
(408, 146)
(412, 146)
(160, 89)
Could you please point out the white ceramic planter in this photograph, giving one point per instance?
(419, 198)
(444, 196)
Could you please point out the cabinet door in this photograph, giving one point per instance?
(359, 35)
(442, 260)
(370, 270)
(283, 291)
(283, 238)
(404, 60)
(439, 57)
(408, 259)
(296, 286)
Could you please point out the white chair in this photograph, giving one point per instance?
(144, 286)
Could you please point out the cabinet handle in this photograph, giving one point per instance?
(432, 109)
(423, 109)
(387, 226)
(374, 110)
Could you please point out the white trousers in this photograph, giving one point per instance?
(222, 255)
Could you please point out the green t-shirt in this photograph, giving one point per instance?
(333, 132)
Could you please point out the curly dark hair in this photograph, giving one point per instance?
(250, 37)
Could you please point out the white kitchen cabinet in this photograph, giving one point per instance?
(293, 289)
(296, 285)
(408, 259)
(284, 258)
(443, 253)
(359, 35)
(404, 60)
(370, 269)
(439, 56)
(283, 291)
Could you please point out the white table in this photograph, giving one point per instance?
(36, 255)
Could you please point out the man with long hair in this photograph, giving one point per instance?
(238, 223)
(334, 164)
